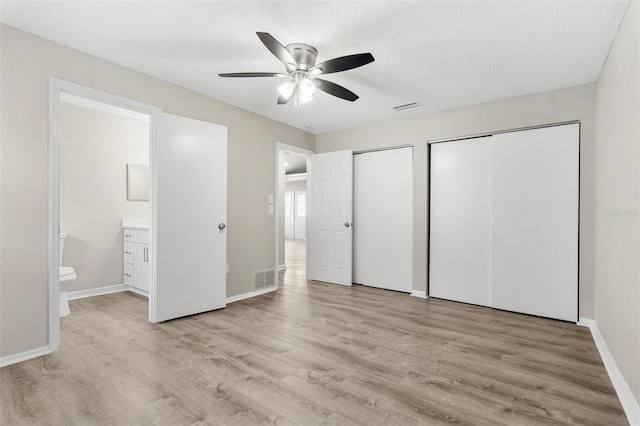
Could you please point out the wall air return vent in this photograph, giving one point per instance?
(408, 107)
(264, 279)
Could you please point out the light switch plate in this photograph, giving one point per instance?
(270, 208)
(270, 198)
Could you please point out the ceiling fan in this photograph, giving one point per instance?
(301, 70)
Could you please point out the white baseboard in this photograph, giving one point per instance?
(137, 291)
(24, 356)
(282, 267)
(251, 294)
(420, 294)
(586, 322)
(628, 401)
(90, 292)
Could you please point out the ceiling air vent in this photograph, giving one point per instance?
(408, 107)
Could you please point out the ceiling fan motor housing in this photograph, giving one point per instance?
(304, 55)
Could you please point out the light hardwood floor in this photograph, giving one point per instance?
(312, 354)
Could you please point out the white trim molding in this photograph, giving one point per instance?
(420, 294)
(294, 177)
(629, 404)
(24, 356)
(586, 322)
(99, 291)
(251, 294)
(132, 289)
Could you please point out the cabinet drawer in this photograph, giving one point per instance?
(140, 236)
(128, 274)
(128, 234)
(128, 252)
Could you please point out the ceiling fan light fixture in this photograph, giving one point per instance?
(286, 89)
(307, 88)
(306, 98)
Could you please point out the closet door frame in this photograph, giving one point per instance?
(481, 135)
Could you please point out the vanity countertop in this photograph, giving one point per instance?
(135, 222)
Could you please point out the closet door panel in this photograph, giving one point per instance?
(535, 222)
(460, 218)
(383, 219)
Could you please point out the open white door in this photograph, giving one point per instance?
(329, 216)
(189, 214)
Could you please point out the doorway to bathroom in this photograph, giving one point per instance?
(104, 187)
(186, 250)
(291, 208)
(91, 133)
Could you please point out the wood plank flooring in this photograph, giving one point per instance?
(312, 354)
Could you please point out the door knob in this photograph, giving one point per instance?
(347, 224)
(222, 226)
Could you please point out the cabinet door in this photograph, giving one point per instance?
(141, 267)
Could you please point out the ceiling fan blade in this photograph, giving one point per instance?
(252, 74)
(344, 63)
(275, 47)
(336, 90)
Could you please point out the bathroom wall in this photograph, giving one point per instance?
(95, 147)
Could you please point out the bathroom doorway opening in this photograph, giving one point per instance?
(89, 163)
(291, 207)
(104, 155)
(168, 161)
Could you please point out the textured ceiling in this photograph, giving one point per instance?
(441, 54)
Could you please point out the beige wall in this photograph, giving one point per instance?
(575, 103)
(617, 270)
(95, 148)
(27, 64)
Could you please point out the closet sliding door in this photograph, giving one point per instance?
(535, 222)
(504, 221)
(459, 235)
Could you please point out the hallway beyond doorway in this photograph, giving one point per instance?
(295, 256)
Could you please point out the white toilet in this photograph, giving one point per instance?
(67, 278)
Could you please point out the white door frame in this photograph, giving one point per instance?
(57, 87)
(290, 148)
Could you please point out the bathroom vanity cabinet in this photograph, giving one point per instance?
(136, 259)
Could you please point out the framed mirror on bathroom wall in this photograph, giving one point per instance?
(137, 182)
